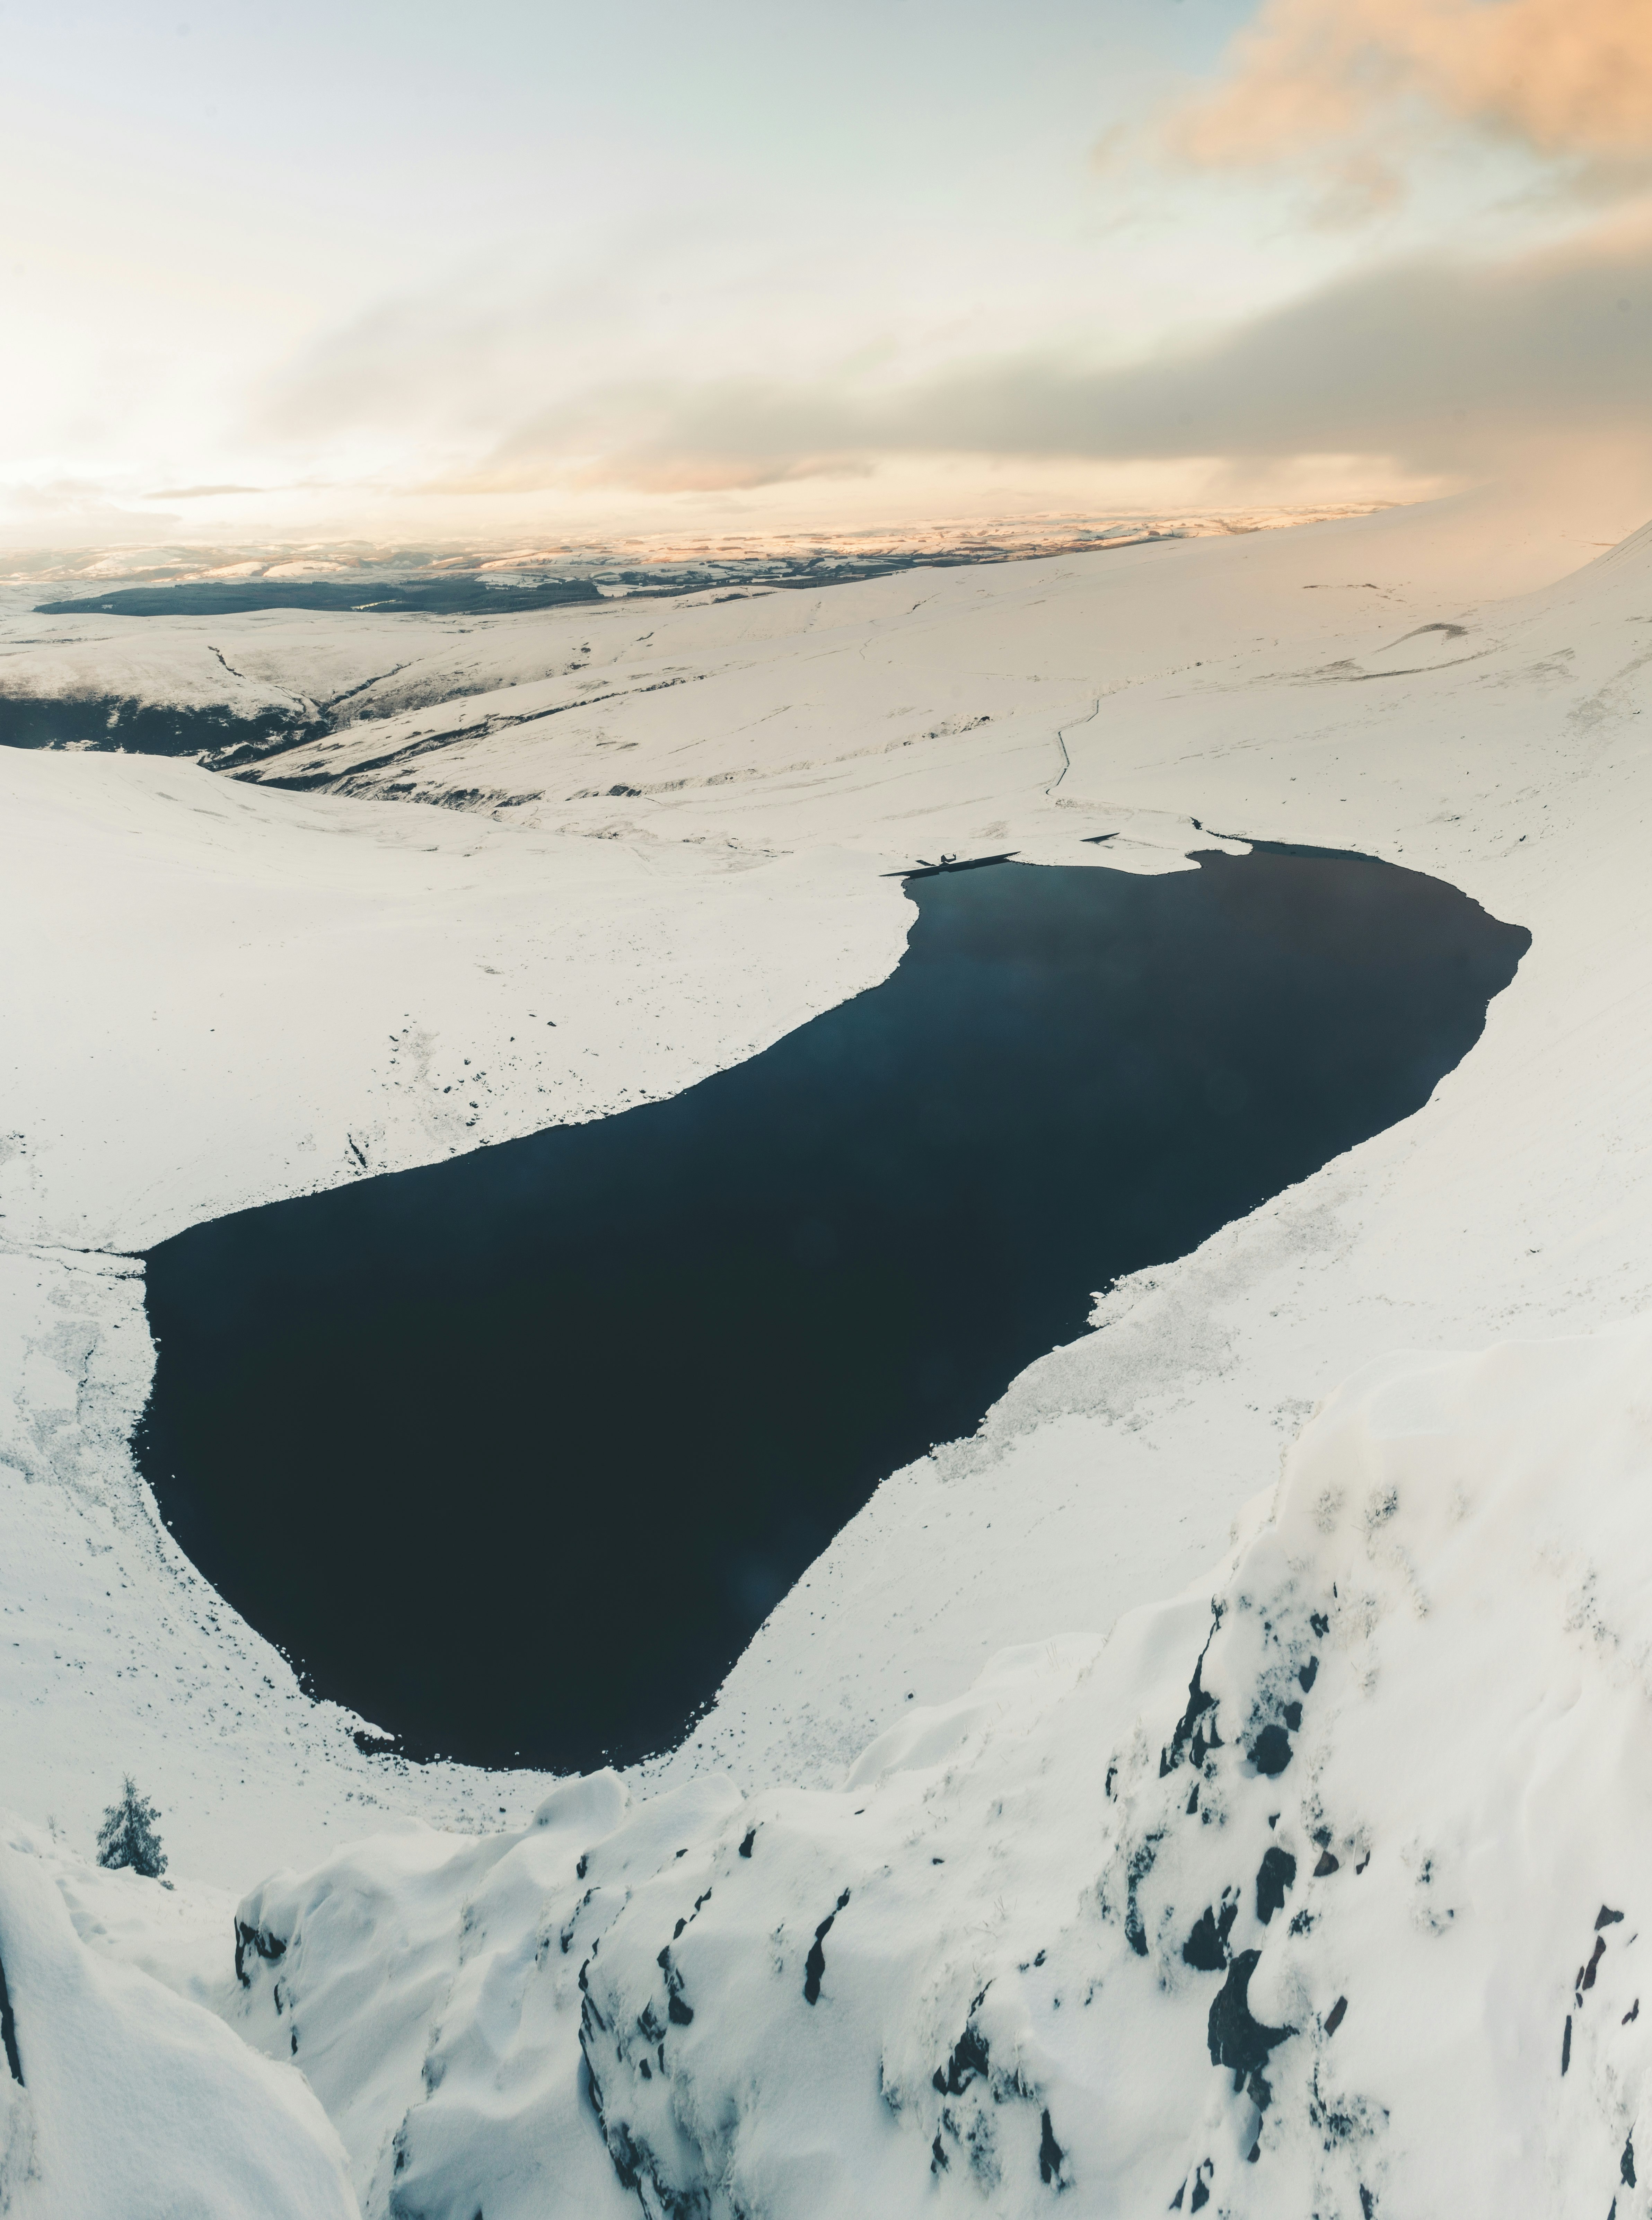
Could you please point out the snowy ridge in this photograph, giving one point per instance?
(1318, 1888)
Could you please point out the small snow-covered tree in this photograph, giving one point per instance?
(128, 1835)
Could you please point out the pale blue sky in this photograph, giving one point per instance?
(434, 268)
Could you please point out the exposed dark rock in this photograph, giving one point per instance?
(1293, 1716)
(1200, 2197)
(1606, 1917)
(1566, 2046)
(1320, 1623)
(1338, 2013)
(1236, 2039)
(676, 2011)
(268, 1946)
(1327, 1864)
(1627, 2162)
(1270, 1753)
(814, 1964)
(969, 2057)
(9, 2032)
(1276, 1874)
(1585, 1980)
(750, 1837)
(1308, 1674)
(627, 2159)
(1199, 1700)
(1051, 2155)
(1206, 1949)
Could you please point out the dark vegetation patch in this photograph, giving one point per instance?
(231, 597)
(1137, 1868)
(107, 724)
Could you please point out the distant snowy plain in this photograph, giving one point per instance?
(666, 828)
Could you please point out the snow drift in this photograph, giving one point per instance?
(1315, 1889)
(118, 2097)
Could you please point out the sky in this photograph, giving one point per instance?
(416, 271)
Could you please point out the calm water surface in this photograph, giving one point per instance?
(512, 1454)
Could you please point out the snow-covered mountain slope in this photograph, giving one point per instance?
(227, 993)
(119, 2096)
(82, 672)
(1318, 1888)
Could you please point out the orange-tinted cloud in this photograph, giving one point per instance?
(1564, 79)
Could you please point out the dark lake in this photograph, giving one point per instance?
(514, 1453)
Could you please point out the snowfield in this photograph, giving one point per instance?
(121, 2095)
(998, 1933)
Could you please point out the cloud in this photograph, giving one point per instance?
(1436, 366)
(660, 364)
(1333, 81)
(201, 492)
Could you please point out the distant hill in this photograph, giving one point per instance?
(444, 598)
